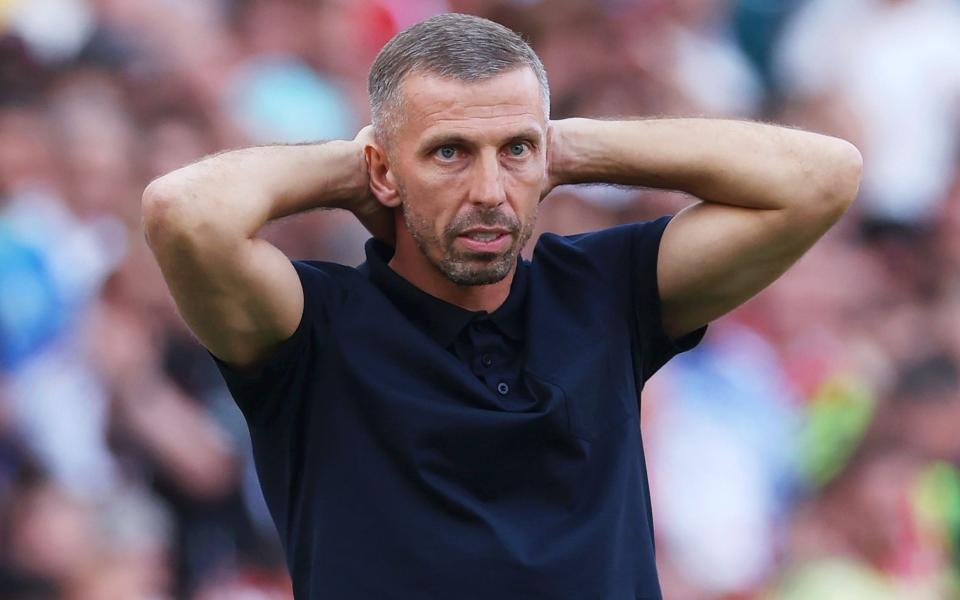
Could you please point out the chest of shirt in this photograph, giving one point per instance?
(572, 375)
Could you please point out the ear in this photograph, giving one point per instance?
(382, 180)
(551, 177)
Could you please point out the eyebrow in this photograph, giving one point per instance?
(455, 139)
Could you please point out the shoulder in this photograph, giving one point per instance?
(320, 272)
(321, 269)
(327, 284)
(610, 239)
(603, 249)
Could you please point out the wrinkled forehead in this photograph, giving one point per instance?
(495, 105)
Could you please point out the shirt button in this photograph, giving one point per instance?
(503, 388)
(487, 360)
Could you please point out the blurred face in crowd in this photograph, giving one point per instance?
(53, 534)
(467, 165)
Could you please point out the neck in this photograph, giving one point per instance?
(413, 266)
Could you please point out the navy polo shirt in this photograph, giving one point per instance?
(408, 448)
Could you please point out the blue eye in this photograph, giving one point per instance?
(447, 152)
(517, 149)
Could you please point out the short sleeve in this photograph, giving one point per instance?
(626, 256)
(277, 387)
(658, 347)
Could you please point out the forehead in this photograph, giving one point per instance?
(509, 100)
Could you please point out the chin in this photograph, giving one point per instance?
(462, 272)
(476, 278)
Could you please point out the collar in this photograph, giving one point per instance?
(440, 319)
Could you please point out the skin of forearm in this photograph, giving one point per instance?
(739, 163)
(243, 189)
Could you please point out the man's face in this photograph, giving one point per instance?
(469, 162)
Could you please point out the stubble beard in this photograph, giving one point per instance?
(467, 268)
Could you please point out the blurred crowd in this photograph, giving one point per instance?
(807, 449)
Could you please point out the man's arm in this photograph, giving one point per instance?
(768, 193)
(239, 294)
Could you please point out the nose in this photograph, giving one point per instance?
(487, 185)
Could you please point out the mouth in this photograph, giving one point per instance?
(485, 240)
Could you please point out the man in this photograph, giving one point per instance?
(449, 420)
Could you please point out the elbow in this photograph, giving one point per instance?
(158, 206)
(847, 167)
(839, 179)
(166, 212)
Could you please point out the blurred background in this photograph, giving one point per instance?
(807, 449)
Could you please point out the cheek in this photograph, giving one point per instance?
(440, 195)
(426, 207)
(531, 173)
(446, 188)
(525, 185)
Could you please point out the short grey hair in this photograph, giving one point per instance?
(452, 45)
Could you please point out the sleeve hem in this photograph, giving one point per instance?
(661, 346)
(686, 341)
(285, 353)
